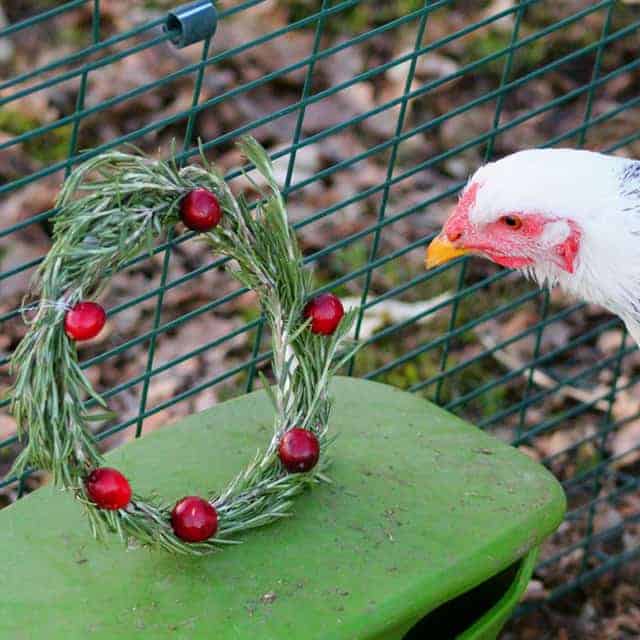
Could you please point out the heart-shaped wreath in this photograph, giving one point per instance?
(110, 209)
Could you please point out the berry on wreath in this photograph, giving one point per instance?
(200, 210)
(299, 450)
(108, 489)
(326, 312)
(194, 519)
(84, 321)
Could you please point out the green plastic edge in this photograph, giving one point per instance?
(490, 624)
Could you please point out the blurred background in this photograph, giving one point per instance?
(376, 113)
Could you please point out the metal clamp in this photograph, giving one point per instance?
(191, 22)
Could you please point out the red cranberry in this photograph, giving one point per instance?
(108, 488)
(299, 450)
(84, 321)
(194, 519)
(200, 210)
(325, 312)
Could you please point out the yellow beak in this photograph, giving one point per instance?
(441, 250)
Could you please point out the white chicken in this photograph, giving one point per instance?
(561, 216)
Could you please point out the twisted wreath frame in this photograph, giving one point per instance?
(109, 209)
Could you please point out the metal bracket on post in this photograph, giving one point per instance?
(191, 22)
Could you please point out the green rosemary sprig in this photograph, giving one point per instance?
(111, 209)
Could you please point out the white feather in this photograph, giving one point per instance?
(600, 193)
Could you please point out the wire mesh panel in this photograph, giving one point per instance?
(375, 114)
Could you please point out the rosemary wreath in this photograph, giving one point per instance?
(110, 209)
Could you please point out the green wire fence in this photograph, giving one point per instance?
(375, 114)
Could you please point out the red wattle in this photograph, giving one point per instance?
(510, 262)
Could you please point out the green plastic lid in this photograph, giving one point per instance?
(423, 507)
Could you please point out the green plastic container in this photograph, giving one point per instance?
(429, 530)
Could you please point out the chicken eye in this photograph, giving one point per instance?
(512, 221)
